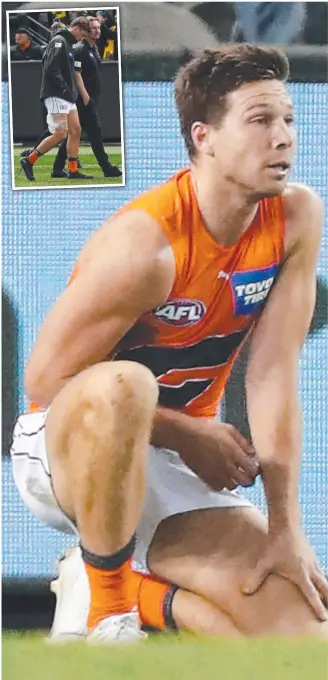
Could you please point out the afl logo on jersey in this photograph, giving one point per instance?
(180, 312)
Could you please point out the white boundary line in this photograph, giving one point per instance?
(120, 88)
(11, 127)
(10, 105)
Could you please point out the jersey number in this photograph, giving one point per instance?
(212, 352)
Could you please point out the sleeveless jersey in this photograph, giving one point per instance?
(192, 340)
(217, 295)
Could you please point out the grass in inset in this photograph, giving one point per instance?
(43, 169)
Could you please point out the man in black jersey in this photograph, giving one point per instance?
(87, 65)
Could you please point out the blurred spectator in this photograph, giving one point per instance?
(315, 31)
(60, 15)
(219, 17)
(24, 47)
(269, 22)
(88, 13)
(108, 41)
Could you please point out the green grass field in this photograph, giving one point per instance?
(28, 657)
(43, 169)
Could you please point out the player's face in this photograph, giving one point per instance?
(95, 30)
(254, 145)
(21, 38)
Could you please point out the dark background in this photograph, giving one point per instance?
(29, 113)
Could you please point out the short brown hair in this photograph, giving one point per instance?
(82, 23)
(202, 85)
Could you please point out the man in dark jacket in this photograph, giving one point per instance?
(59, 94)
(87, 65)
(24, 48)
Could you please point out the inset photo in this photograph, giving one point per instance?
(65, 89)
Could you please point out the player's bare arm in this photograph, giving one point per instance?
(215, 451)
(126, 269)
(273, 400)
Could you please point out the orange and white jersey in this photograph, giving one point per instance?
(216, 297)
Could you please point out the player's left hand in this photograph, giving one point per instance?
(288, 554)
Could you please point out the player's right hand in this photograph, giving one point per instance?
(86, 100)
(220, 455)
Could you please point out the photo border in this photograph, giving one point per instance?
(120, 80)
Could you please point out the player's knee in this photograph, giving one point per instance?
(134, 383)
(139, 378)
(117, 402)
(75, 130)
(122, 386)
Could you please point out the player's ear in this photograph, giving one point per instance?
(202, 138)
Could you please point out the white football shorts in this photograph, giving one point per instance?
(172, 487)
(55, 105)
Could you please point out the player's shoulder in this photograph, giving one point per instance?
(138, 227)
(299, 197)
(303, 208)
(57, 44)
(134, 243)
(132, 231)
(59, 38)
(162, 201)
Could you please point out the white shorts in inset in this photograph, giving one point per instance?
(172, 487)
(57, 105)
